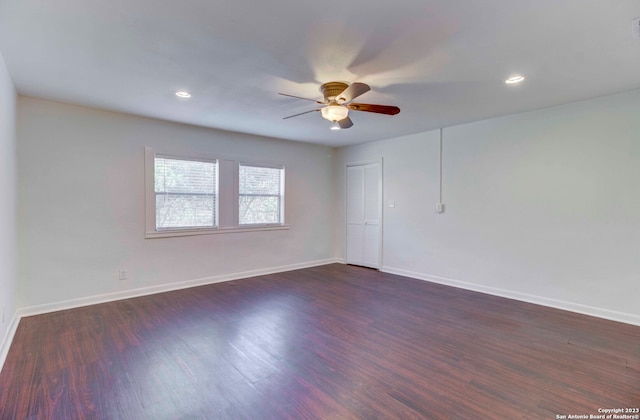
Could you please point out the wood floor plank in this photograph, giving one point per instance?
(330, 342)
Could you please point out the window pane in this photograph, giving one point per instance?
(185, 176)
(184, 211)
(260, 199)
(259, 209)
(185, 193)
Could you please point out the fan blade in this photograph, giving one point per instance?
(302, 113)
(378, 109)
(353, 91)
(299, 97)
(345, 122)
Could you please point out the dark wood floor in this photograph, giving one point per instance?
(332, 342)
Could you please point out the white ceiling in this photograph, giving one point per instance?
(442, 62)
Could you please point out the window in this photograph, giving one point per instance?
(202, 195)
(185, 193)
(260, 195)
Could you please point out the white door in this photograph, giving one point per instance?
(364, 208)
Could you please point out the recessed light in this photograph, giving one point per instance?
(514, 79)
(183, 94)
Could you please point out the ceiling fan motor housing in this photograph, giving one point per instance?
(332, 89)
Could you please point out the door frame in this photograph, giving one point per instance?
(379, 162)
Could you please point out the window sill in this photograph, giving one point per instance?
(196, 232)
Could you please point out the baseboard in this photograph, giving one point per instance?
(539, 300)
(8, 339)
(127, 294)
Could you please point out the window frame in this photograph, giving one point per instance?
(227, 203)
(281, 195)
(216, 193)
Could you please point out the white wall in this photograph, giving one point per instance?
(8, 185)
(81, 205)
(542, 206)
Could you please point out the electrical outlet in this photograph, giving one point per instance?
(123, 275)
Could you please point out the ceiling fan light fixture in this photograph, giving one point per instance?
(335, 126)
(334, 113)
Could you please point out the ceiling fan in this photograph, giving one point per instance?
(337, 103)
